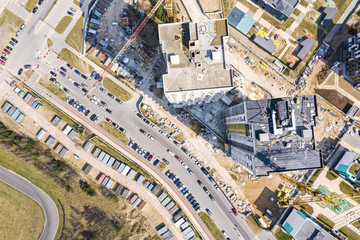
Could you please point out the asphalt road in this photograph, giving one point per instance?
(125, 116)
(46, 203)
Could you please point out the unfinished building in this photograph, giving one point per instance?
(196, 69)
(273, 135)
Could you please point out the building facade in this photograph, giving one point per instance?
(352, 48)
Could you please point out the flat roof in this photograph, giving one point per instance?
(265, 43)
(307, 44)
(198, 47)
(240, 20)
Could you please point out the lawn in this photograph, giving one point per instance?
(50, 43)
(75, 61)
(77, 3)
(9, 22)
(304, 3)
(116, 90)
(283, 26)
(63, 24)
(307, 208)
(115, 132)
(253, 225)
(347, 189)
(28, 73)
(350, 234)
(30, 4)
(53, 88)
(324, 220)
(17, 210)
(315, 176)
(161, 166)
(215, 231)
(296, 12)
(308, 24)
(354, 168)
(331, 175)
(75, 38)
(281, 235)
(356, 224)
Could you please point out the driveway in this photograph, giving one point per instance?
(46, 203)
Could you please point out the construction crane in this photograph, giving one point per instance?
(126, 45)
(316, 195)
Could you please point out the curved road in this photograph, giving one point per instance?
(46, 203)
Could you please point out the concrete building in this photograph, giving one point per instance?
(300, 227)
(352, 48)
(273, 135)
(280, 9)
(196, 69)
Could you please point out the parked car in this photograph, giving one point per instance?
(70, 13)
(84, 86)
(69, 66)
(7, 51)
(52, 79)
(14, 40)
(156, 162)
(94, 118)
(87, 112)
(211, 197)
(9, 48)
(93, 74)
(17, 34)
(108, 110)
(109, 120)
(11, 43)
(52, 73)
(97, 76)
(72, 9)
(103, 103)
(22, 27)
(77, 72)
(4, 54)
(118, 100)
(63, 69)
(234, 211)
(205, 189)
(142, 131)
(165, 161)
(102, 89)
(208, 211)
(110, 95)
(84, 77)
(121, 129)
(40, 2)
(200, 183)
(35, 9)
(62, 73)
(66, 90)
(3, 58)
(77, 85)
(27, 66)
(20, 71)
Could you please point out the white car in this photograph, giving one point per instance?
(150, 137)
(93, 101)
(17, 34)
(171, 153)
(58, 84)
(95, 98)
(22, 27)
(38, 52)
(70, 79)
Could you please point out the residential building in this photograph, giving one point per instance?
(301, 227)
(344, 165)
(265, 43)
(240, 21)
(280, 9)
(196, 71)
(352, 48)
(327, 16)
(273, 135)
(305, 47)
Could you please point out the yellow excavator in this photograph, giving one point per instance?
(315, 194)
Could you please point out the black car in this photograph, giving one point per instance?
(110, 95)
(84, 77)
(94, 118)
(139, 115)
(63, 69)
(52, 73)
(84, 90)
(14, 40)
(184, 150)
(20, 71)
(108, 110)
(121, 129)
(62, 73)
(69, 66)
(71, 101)
(40, 2)
(87, 112)
(66, 90)
(9, 48)
(97, 76)
(11, 43)
(103, 103)
(35, 9)
(77, 85)
(70, 13)
(3, 58)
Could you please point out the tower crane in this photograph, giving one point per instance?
(126, 45)
(316, 195)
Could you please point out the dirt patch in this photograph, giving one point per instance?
(211, 5)
(9, 24)
(335, 98)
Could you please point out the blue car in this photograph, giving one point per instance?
(63, 69)
(77, 72)
(52, 73)
(211, 179)
(118, 100)
(81, 108)
(156, 162)
(62, 73)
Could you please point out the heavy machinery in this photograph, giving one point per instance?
(315, 194)
(126, 45)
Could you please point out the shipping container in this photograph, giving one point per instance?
(17, 90)
(137, 202)
(15, 114)
(140, 179)
(150, 187)
(106, 158)
(109, 184)
(11, 110)
(141, 205)
(22, 94)
(125, 193)
(105, 181)
(170, 205)
(131, 174)
(166, 201)
(185, 231)
(88, 169)
(6, 107)
(66, 129)
(162, 196)
(94, 21)
(133, 198)
(162, 230)
(184, 225)
(63, 152)
(50, 141)
(125, 171)
(179, 222)
(111, 161)
(190, 234)
(20, 118)
(101, 178)
(116, 164)
(174, 209)
(27, 97)
(87, 146)
(34, 104)
(96, 151)
(121, 168)
(55, 120)
(92, 31)
(39, 107)
(178, 215)
(101, 155)
(118, 189)
(31, 101)
(166, 234)
(72, 134)
(58, 147)
(41, 133)
(156, 189)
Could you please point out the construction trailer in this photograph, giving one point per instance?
(140, 179)
(41, 133)
(87, 146)
(133, 198)
(63, 152)
(106, 158)
(6, 107)
(121, 167)
(111, 161)
(105, 181)
(66, 129)
(131, 174)
(125, 193)
(72, 134)
(86, 168)
(55, 120)
(137, 202)
(58, 147)
(156, 189)
(50, 141)
(101, 155)
(174, 209)
(184, 225)
(170, 205)
(109, 184)
(162, 230)
(141, 205)
(96, 151)
(166, 201)
(20, 118)
(118, 189)
(126, 170)
(101, 177)
(162, 196)
(116, 164)
(179, 222)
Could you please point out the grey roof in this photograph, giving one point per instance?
(347, 159)
(352, 111)
(306, 45)
(265, 43)
(284, 6)
(328, 13)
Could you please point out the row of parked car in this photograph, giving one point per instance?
(7, 50)
(183, 189)
(76, 104)
(115, 125)
(147, 155)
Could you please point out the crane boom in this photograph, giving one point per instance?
(127, 44)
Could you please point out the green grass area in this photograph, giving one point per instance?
(253, 225)
(315, 176)
(53, 88)
(280, 49)
(161, 166)
(63, 24)
(9, 22)
(347, 189)
(116, 90)
(308, 25)
(326, 221)
(283, 26)
(212, 171)
(307, 208)
(50, 43)
(74, 38)
(27, 74)
(356, 224)
(331, 175)
(350, 234)
(296, 12)
(75, 61)
(210, 224)
(77, 3)
(281, 235)
(17, 209)
(30, 4)
(304, 3)
(354, 169)
(114, 131)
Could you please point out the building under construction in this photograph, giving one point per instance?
(273, 135)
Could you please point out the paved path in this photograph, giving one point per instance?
(46, 203)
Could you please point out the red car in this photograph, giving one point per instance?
(108, 119)
(150, 157)
(2, 62)
(234, 211)
(177, 158)
(142, 131)
(7, 51)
